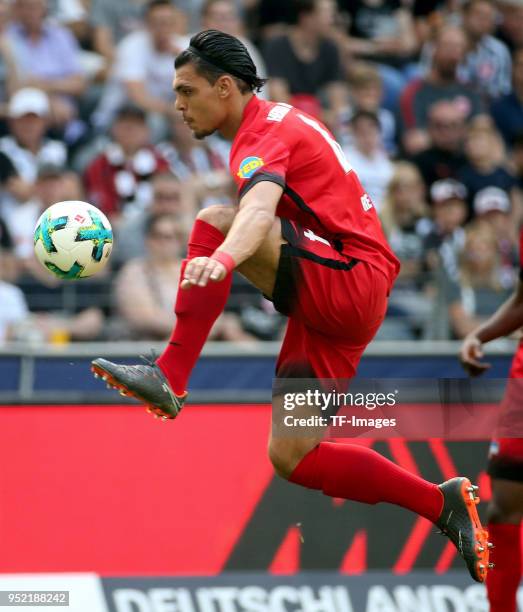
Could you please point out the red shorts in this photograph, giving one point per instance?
(335, 305)
(506, 454)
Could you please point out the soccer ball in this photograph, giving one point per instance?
(73, 239)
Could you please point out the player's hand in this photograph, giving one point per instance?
(200, 270)
(470, 354)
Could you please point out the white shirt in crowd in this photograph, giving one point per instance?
(374, 172)
(13, 307)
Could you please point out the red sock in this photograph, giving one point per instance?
(361, 474)
(503, 580)
(196, 311)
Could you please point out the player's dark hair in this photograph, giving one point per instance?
(152, 4)
(214, 53)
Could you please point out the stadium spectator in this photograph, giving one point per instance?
(143, 69)
(170, 196)
(224, 15)
(485, 165)
(446, 130)
(53, 184)
(487, 64)
(441, 83)
(511, 23)
(120, 175)
(39, 287)
(9, 81)
(382, 31)
(430, 15)
(198, 164)
(366, 93)
(112, 21)
(47, 57)
(492, 205)
(27, 146)
(507, 112)
(272, 16)
(516, 159)
(146, 287)
(405, 222)
(13, 307)
(9, 267)
(477, 291)
(444, 242)
(367, 155)
(442, 248)
(305, 63)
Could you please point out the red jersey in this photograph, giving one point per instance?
(282, 144)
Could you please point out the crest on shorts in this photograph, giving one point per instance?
(249, 166)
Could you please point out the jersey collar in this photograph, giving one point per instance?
(250, 110)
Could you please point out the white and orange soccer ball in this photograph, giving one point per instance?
(73, 239)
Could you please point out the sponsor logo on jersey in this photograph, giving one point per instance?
(366, 202)
(249, 166)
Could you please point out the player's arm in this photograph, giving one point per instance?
(249, 229)
(506, 320)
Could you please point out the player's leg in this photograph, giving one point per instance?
(198, 308)
(505, 513)
(352, 471)
(161, 384)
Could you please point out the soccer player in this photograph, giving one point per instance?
(505, 465)
(307, 235)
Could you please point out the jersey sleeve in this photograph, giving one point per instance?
(259, 158)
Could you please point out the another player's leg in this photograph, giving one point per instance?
(505, 512)
(161, 385)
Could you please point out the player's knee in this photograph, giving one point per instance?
(285, 455)
(219, 215)
(281, 461)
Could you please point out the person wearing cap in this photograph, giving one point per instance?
(492, 205)
(27, 146)
(444, 242)
(120, 175)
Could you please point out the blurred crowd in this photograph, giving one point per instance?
(425, 97)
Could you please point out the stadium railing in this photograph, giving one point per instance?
(226, 372)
